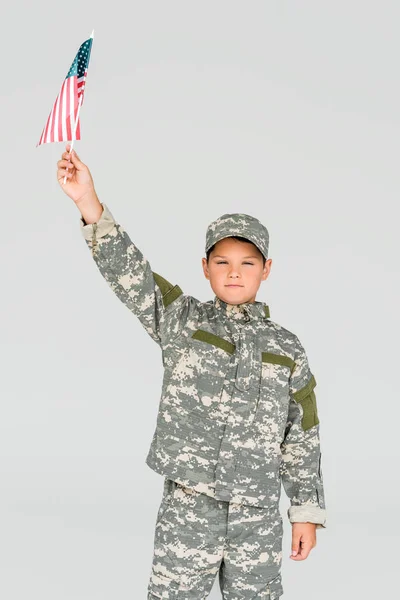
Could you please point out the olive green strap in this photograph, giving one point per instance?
(310, 414)
(215, 340)
(306, 397)
(277, 359)
(300, 394)
(169, 292)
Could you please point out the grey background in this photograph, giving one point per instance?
(285, 110)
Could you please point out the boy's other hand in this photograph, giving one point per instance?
(79, 183)
(303, 540)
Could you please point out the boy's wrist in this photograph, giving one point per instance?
(90, 208)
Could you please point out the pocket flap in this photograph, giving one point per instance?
(278, 359)
(162, 587)
(215, 340)
(275, 587)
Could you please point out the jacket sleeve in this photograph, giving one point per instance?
(160, 306)
(301, 472)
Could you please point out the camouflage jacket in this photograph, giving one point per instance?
(237, 414)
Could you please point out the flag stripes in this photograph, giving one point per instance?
(64, 116)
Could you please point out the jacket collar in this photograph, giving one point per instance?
(244, 311)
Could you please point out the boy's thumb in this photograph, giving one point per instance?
(75, 159)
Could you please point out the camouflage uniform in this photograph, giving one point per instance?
(197, 537)
(237, 415)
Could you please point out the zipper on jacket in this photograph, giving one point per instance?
(94, 240)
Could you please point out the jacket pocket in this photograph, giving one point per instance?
(306, 397)
(214, 340)
(210, 356)
(276, 369)
(273, 397)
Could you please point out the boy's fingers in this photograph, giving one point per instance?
(304, 550)
(65, 155)
(75, 159)
(68, 154)
(295, 543)
(64, 171)
(65, 163)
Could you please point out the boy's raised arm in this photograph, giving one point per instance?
(301, 471)
(161, 307)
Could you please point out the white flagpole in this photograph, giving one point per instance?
(77, 117)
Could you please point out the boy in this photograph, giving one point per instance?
(237, 413)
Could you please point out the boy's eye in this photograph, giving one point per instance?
(223, 262)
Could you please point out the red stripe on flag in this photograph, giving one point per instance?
(53, 125)
(61, 111)
(68, 107)
(76, 101)
(49, 130)
(49, 123)
(63, 119)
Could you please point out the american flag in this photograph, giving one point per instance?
(64, 116)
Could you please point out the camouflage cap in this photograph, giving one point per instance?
(238, 224)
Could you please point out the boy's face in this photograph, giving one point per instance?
(235, 270)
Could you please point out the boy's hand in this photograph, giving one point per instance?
(303, 540)
(79, 183)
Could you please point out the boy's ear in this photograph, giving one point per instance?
(205, 268)
(267, 269)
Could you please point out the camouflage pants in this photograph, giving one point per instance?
(197, 536)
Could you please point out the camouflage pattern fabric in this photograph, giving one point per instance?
(237, 414)
(240, 224)
(237, 418)
(197, 537)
